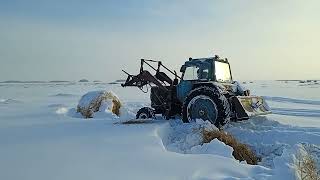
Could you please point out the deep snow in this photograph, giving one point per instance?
(42, 137)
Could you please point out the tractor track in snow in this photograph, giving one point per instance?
(296, 112)
(291, 100)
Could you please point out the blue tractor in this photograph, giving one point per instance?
(205, 90)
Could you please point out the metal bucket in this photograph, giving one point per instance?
(249, 106)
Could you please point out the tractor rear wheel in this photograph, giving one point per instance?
(145, 113)
(206, 103)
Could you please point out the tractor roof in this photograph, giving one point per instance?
(200, 61)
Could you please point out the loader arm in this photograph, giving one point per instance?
(142, 79)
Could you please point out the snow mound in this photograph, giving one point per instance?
(277, 144)
(186, 138)
(290, 163)
(270, 139)
(203, 138)
(215, 147)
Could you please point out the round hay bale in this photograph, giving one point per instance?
(92, 101)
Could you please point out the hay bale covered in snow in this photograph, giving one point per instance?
(92, 101)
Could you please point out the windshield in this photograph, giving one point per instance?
(223, 73)
(195, 73)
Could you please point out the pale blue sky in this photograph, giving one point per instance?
(95, 39)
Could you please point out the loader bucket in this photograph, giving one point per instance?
(249, 106)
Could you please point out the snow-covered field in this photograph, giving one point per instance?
(41, 136)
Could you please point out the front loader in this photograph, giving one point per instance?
(205, 90)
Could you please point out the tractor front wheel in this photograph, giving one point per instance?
(145, 113)
(206, 103)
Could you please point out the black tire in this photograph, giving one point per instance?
(145, 113)
(215, 98)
